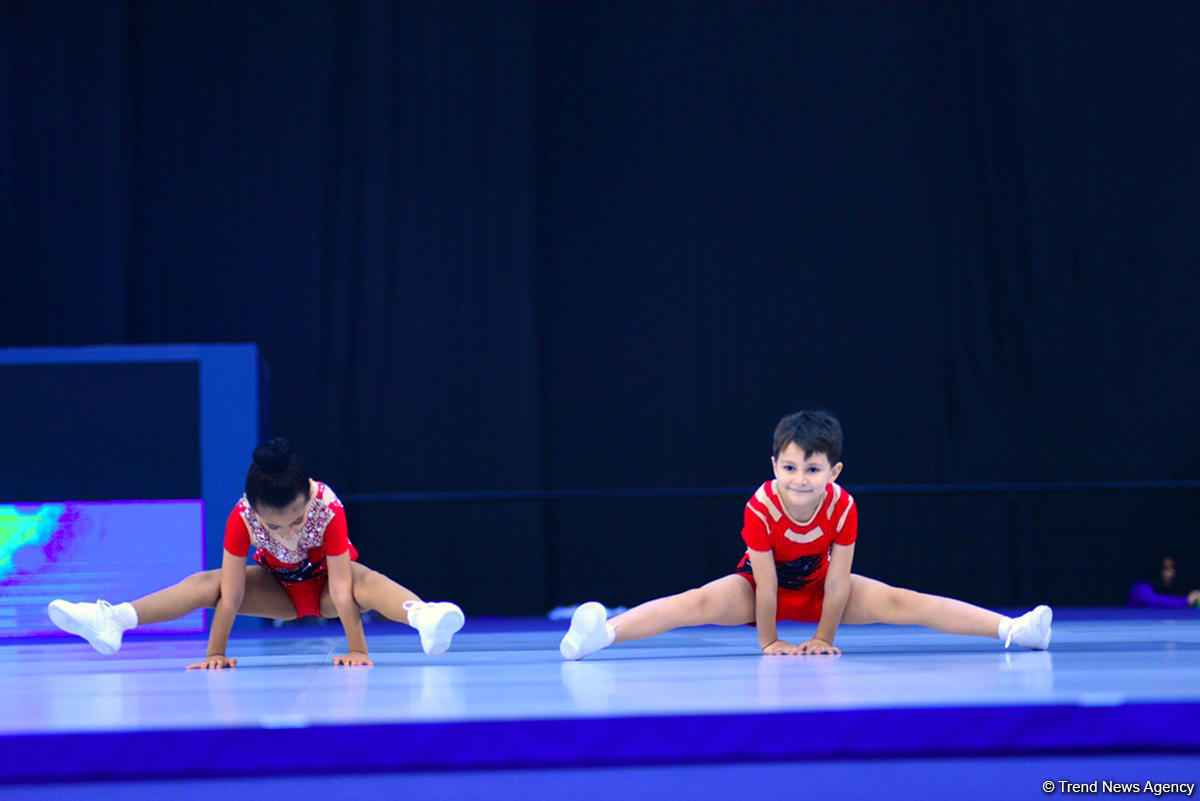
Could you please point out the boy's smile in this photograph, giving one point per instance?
(800, 480)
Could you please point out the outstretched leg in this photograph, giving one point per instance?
(873, 601)
(375, 591)
(727, 601)
(103, 625)
(437, 623)
(263, 597)
(197, 591)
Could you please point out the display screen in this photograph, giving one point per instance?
(84, 551)
(100, 486)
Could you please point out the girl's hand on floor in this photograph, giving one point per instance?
(214, 662)
(354, 659)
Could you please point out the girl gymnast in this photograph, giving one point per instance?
(800, 531)
(306, 566)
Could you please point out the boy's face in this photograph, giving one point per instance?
(800, 479)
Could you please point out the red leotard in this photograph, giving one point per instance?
(301, 572)
(801, 549)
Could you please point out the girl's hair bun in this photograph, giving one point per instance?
(273, 457)
(276, 478)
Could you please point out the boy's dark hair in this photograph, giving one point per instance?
(814, 431)
(276, 477)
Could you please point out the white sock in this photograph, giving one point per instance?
(1005, 625)
(125, 615)
(411, 608)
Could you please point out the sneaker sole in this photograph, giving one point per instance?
(65, 621)
(446, 628)
(1049, 623)
(1048, 616)
(591, 616)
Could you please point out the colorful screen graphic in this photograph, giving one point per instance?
(84, 551)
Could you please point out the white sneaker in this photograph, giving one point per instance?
(96, 623)
(1032, 629)
(589, 632)
(435, 622)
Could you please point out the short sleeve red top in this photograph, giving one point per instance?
(324, 533)
(766, 526)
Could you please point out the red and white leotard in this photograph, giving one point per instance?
(801, 548)
(323, 534)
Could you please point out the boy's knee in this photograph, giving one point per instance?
(902, 601)
(697, 603)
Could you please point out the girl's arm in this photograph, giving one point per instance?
(233, 589)
(766, 583)
(837, 592)
(341, 592)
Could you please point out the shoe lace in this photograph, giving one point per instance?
(1012, 628)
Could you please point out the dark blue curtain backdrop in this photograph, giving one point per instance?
(507, 246)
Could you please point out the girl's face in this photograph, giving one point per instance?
(284, 524)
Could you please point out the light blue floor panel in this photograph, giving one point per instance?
(509, 673)
(62, 685)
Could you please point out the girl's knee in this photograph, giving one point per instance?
(363, 586)
(363, 578)
(207, 584)
(327, 607)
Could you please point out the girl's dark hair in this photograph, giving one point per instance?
(276, 477)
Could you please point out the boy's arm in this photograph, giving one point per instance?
(837, 592)
(341, 592)
(766, 584)
(233, 589)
